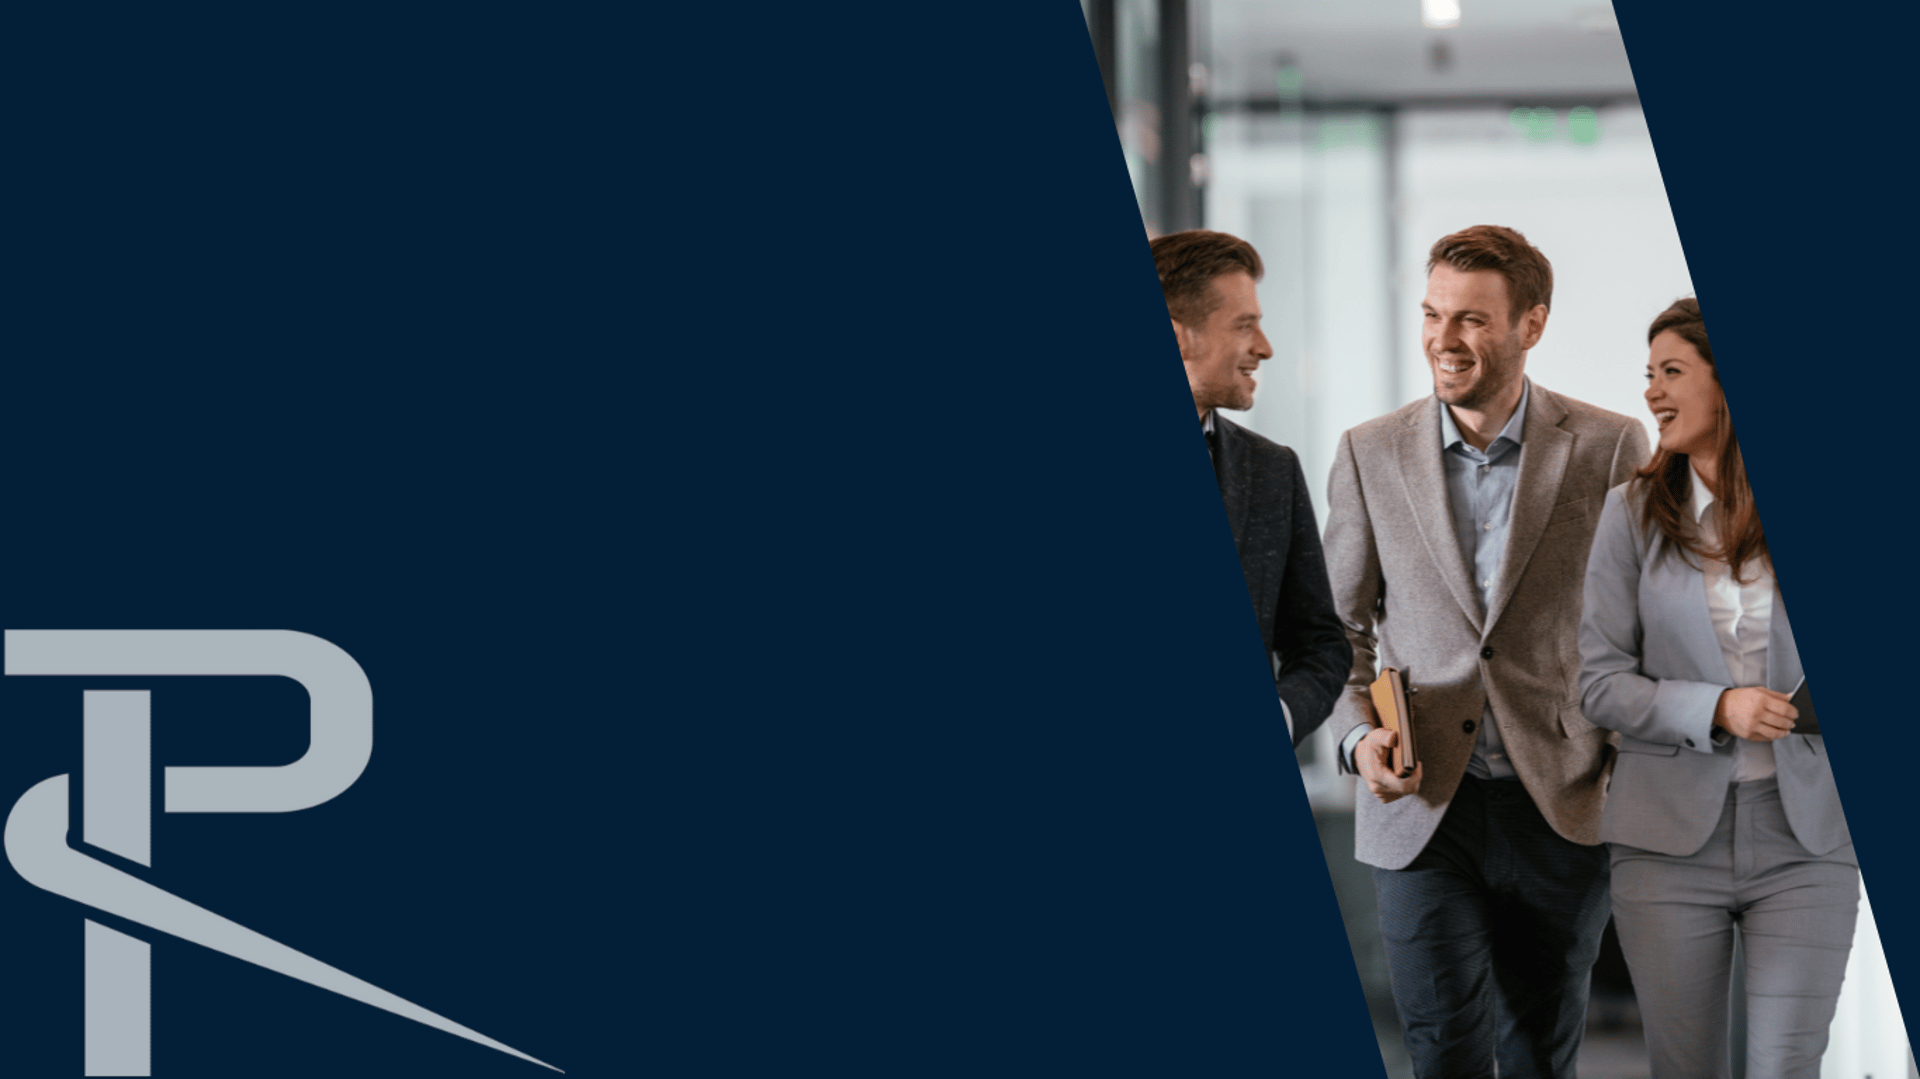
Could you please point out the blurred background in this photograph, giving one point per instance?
(1341, 139)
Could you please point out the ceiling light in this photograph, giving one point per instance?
(1440, 14)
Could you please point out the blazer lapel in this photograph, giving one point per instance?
(1783, 656)
(1234, 486)
(1425, 482)
(1682, 589)
(1545, 450)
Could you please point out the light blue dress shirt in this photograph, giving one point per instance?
(1480, 486)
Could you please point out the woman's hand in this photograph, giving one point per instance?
(1755, 713)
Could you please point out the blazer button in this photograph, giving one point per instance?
(1487, 652)
(1467, 726)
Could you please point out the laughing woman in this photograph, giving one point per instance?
(1719, 815)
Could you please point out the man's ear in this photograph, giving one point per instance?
(1532, 325)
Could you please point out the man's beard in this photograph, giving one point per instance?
(1489, 384)
(1237, 398)
(1228, 393)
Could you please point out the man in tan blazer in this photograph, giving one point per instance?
(1456, 543)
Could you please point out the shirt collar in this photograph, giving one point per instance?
(1701, 500)
(1206, 424)
(1450, 431)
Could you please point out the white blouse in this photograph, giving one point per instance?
(1742, 619)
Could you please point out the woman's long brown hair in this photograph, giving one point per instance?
(1667, 485)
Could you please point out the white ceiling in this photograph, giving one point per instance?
(1378, 50)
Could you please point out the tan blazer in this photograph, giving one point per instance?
(1401, 585)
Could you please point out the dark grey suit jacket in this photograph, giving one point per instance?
(1274, 529)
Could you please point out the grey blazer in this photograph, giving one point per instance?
(1651, 668)
(1401, 586)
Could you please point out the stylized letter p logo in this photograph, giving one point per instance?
(116, 802)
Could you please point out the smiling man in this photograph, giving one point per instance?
(1208, 280)
(1457, 542)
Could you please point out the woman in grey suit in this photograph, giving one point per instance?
(1718, 814)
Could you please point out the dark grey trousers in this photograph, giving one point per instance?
(1491, 934)
(1795, 913)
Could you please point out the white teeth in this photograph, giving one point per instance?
(1454, 369)
(1664, 416)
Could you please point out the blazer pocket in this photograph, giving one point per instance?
(1630, 744)
(1575, 510)
(1573, 724)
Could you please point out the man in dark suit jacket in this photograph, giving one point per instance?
(1208, 279)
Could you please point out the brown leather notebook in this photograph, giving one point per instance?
(1393, 703)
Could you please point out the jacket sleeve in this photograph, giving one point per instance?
(1614, 691)
(1308, 640)
(1353, 570)
(1629, 454)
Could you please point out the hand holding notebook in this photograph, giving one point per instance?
(1392, 702)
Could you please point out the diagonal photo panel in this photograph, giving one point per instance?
(1467, 423)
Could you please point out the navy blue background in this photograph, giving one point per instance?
(747, 456)
(749, 460)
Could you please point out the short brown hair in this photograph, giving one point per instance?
(1494, 247)
(1189, 261)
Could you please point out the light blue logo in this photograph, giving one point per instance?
(116, 806)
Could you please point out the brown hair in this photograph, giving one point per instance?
(1494, 247)
(1189, 261)
(1667, 484)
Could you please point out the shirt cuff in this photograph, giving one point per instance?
(1349, 742)
(1287, 712)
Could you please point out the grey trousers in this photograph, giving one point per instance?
(1795, 913)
